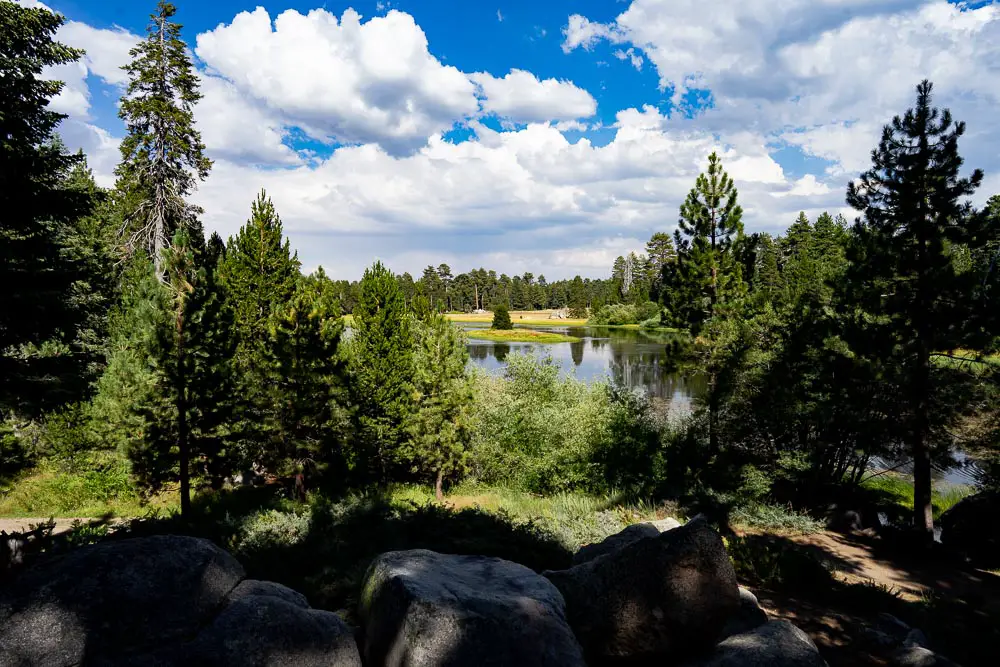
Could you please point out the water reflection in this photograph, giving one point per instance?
(639, 359)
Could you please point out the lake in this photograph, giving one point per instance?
(631, 357)
(641, 360)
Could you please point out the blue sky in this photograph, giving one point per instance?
(535, 136)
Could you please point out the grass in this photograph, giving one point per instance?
(535, 318)
(520, 336)
(899, 489)
(102, 489)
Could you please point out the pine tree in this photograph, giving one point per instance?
(903, 272)
(305, 377)
(577, 298)
(162, 153)
(38, 316)
(661, 251)
(800, 271)
(382, 369)
(710, 221)
(187, 342)
(501, 318)
(260, 273)
(439, 425)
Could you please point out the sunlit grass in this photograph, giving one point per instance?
(520, 336)
(105, 489)
(899, 489)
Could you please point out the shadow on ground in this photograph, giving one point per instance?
(324, 548)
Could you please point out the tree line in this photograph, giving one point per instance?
(127, 328)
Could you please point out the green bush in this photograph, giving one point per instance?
(618, 314)
(501, 318)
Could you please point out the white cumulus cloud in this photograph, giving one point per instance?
(521, 97)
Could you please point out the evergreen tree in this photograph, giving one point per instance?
(305, 377)
(438, 427)
(903, 271)
(769, 280)
(162, 152)
(577, 298)
(501, 318)
(259, 273)
(38, 313)
(800, 275)
(710, 221)
(661, 251)
(186, 330)
(382, 369)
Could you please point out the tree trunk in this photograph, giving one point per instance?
(438, 492)
(183, 444)
(923, 517)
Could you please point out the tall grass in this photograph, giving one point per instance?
(899, 489)
(98, 487)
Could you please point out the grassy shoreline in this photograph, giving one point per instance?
(520, 336)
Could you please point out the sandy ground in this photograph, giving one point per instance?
(22, 525)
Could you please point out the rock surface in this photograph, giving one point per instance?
(266, 631)
(918, 656)
(165, 601)
(775, 644)
(748, 617)
(112, 599)
(665, 595)
(421, 608)
(970, 527)
(630, 534)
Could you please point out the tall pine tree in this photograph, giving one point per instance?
(38, 316)
(162, 152)
(710, 221)
(382, 370)
(439, 425)
(913, 215)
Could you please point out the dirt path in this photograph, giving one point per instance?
(22, 525)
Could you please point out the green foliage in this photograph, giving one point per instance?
(40, 314)
(707, 273)
(382, 372)
(903, 275)
(96, 485)
(439, 425)
(501, 318)
(776, 563)
(304, 421)
(162, 152)
(620, 314)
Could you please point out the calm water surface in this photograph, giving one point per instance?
(641, 360)
(634, 358)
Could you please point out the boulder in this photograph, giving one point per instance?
(748, 617)
(630, 534)
(970, 527)
(664, 595)
(421, 608)
(270, 631)
(918, 656)
(255, 588)
(775, 644)
(113, 599)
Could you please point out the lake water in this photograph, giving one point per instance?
(642, 360)
(634, 358)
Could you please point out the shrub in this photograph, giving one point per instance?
(501, 318)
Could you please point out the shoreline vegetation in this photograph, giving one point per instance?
(520, 336)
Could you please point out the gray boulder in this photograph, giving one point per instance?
(664, 595)
(628, 535)
(256, 588)
(268, 631)
(421, 608)
(113, 599)
(748, 617)
(775, 644)
(918, 656)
